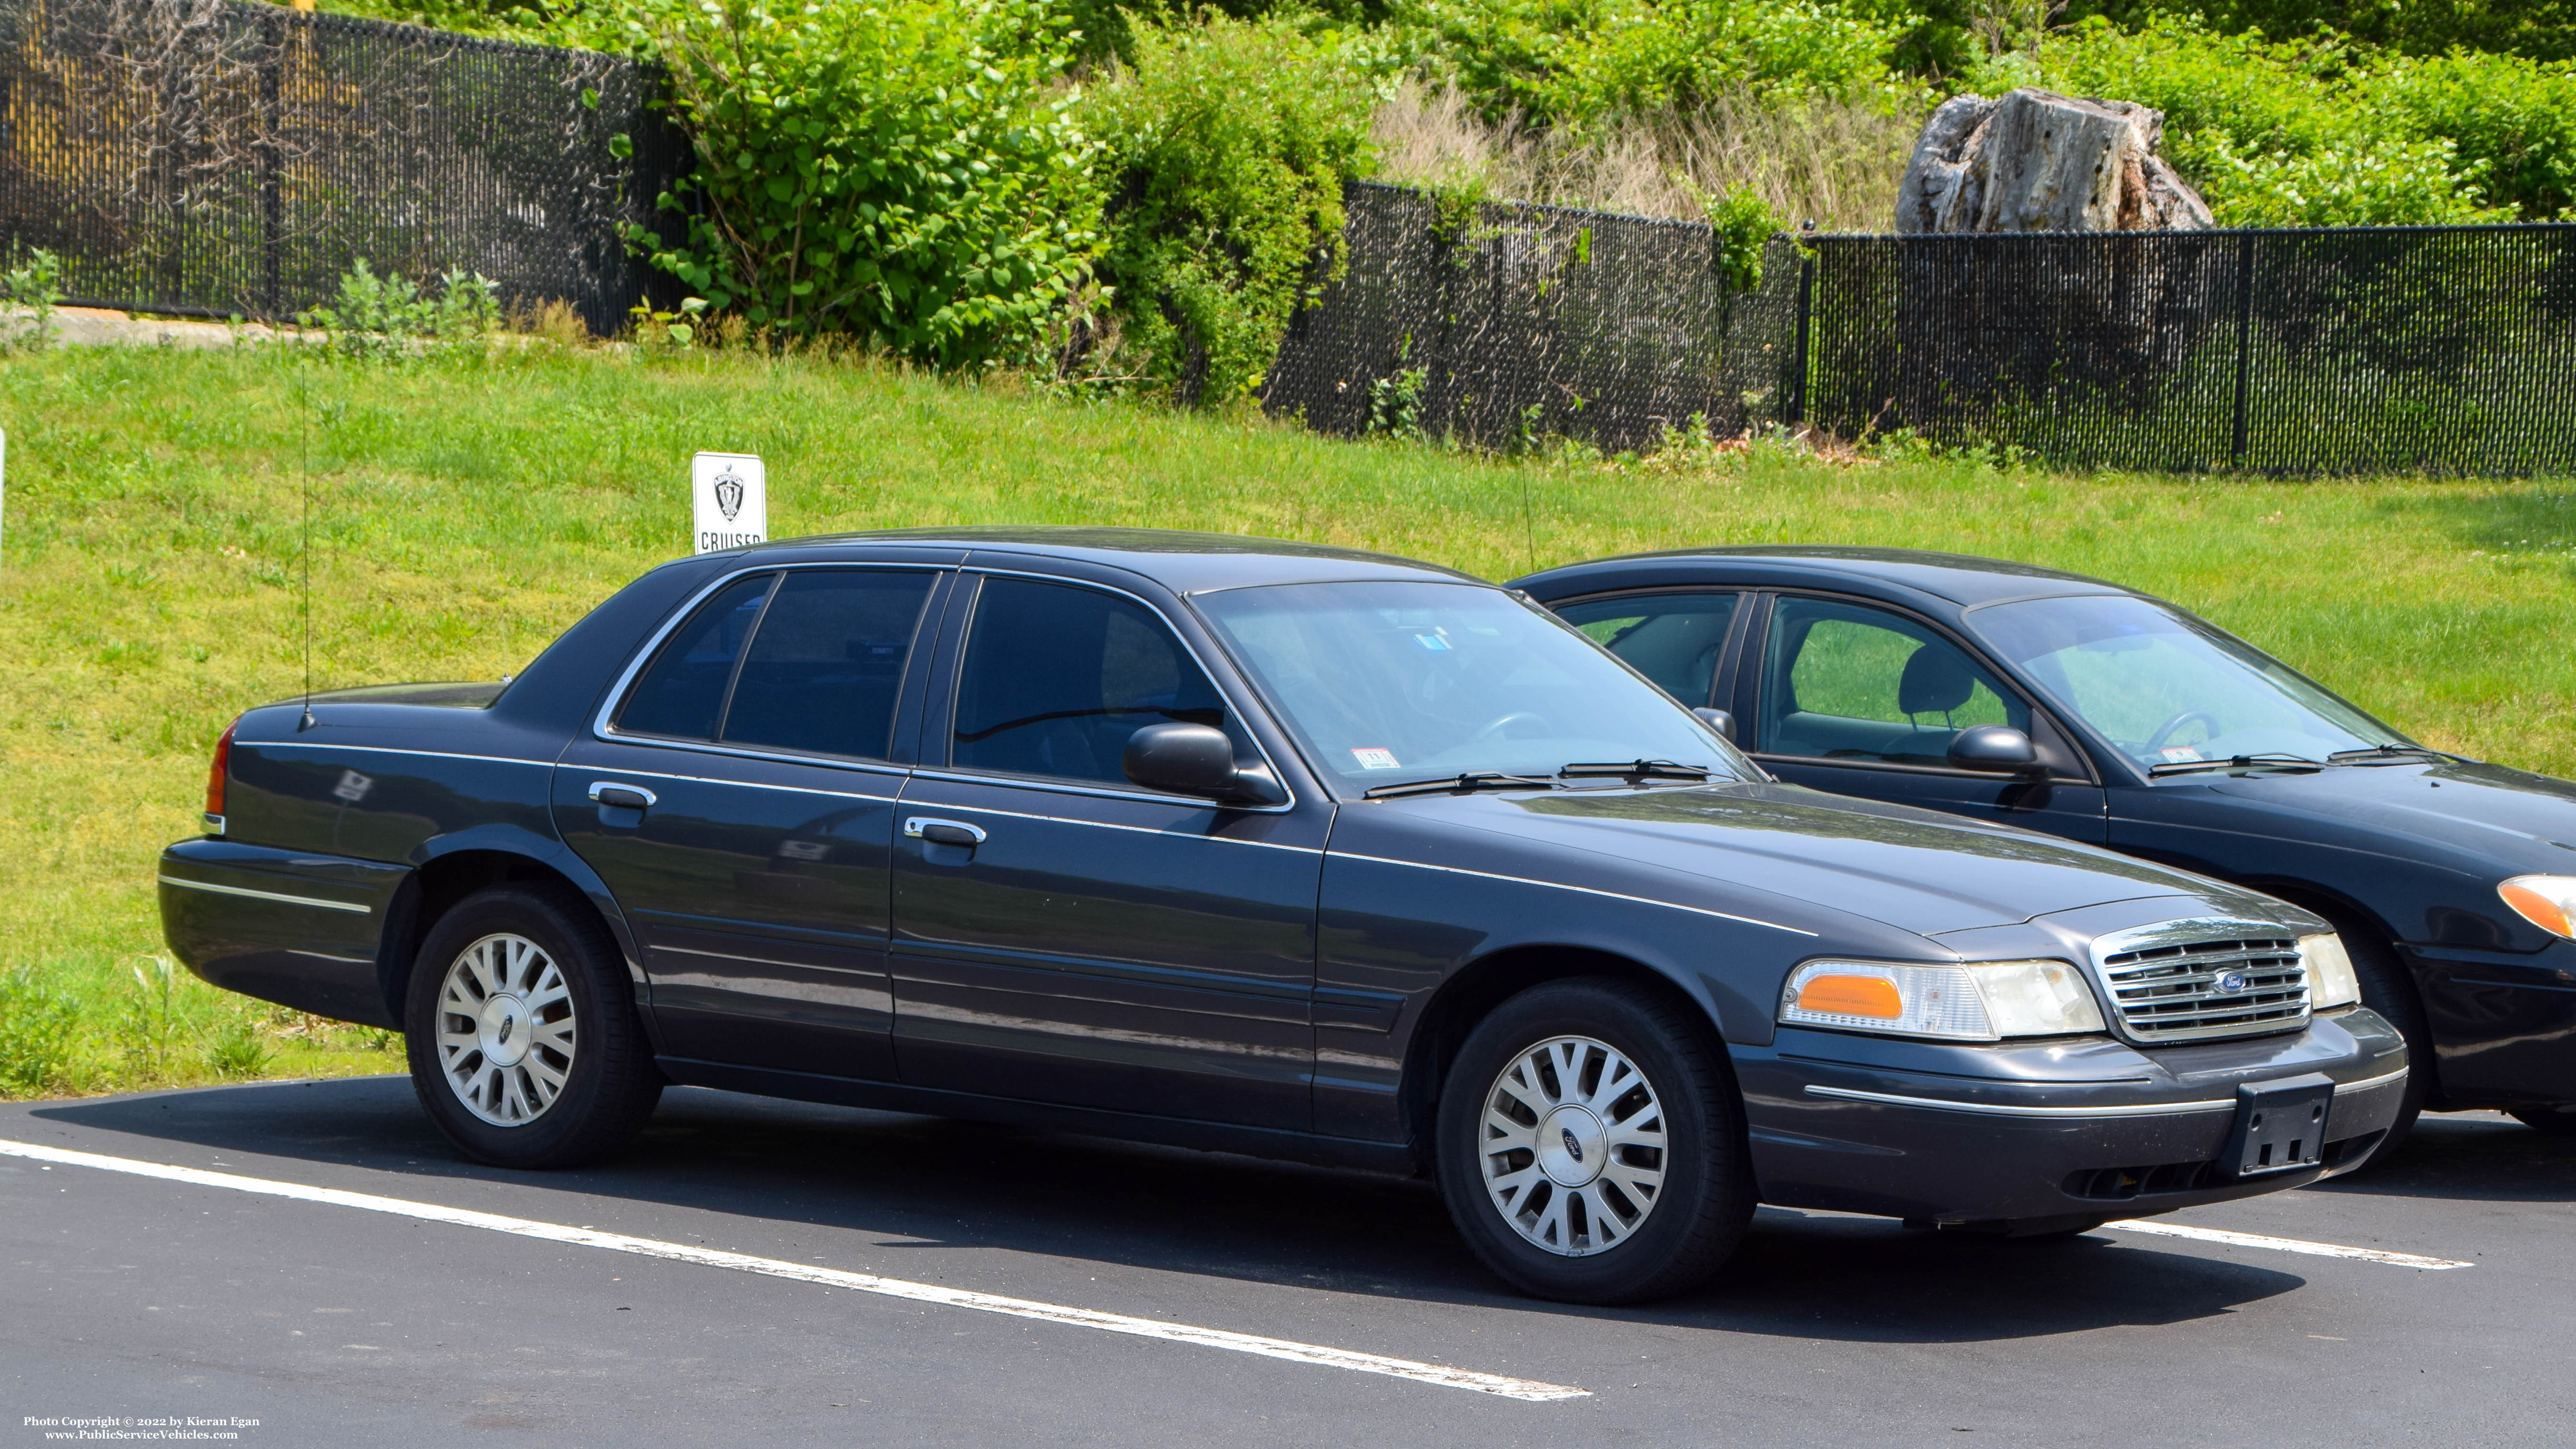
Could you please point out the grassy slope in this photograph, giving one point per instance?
(465, 511)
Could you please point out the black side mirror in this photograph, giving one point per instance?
(1995, 749)
(1718, 720)
(1185, 759)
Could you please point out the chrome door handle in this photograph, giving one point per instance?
(943, 832)
(621, 797)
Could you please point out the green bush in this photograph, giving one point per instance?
(1582, 60)
(2540, 29)
(389, 316)
(1744, 224)
(2513, 118)
(908, 174)
(1229, 143)
(2291, 133)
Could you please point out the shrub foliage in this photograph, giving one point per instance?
(1229, 144)
(904, 173)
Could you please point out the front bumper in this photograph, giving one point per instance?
(2045, 1133)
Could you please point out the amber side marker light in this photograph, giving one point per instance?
(1872, 996)
(2543, 900)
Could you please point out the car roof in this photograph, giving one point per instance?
(1963, 579)
(1182, 561)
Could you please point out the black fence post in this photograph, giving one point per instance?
(2244, 343)
(1797, 408)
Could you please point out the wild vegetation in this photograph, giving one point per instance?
(1143, 190)
(467, 503)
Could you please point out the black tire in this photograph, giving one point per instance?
(608, 1082)
(1696, 1215)
(2555, 1121)
(2387, 989)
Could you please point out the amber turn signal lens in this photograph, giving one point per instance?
(2549, 915)
(1873, 996)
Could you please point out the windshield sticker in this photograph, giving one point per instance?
(1431, 641)
(2180, 754)
(1372, 758)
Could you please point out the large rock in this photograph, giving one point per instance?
(2038, 161)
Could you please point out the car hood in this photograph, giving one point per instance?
(1812, 853)
(2514, 821)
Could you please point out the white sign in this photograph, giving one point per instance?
(730, 492)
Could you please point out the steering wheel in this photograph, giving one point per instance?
(1496, 728)
(2156, 740)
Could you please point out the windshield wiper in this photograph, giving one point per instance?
(1463, 784)
(1636, 770)
(2386, 755)
(2267, 760)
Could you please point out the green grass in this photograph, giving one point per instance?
(465, 510)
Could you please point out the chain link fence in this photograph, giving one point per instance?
(2354, 350)
(213, 157)
(1511, 323)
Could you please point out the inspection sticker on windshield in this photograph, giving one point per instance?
(1373, 758)
(1433, 642)
(2180, 753)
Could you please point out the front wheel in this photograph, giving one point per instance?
(1591, 1145)
(521, 1031)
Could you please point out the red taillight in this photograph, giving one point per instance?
(218, 772)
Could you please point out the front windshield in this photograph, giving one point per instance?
(1388, 683)
(2170, 690)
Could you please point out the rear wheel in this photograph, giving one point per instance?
(1591, 1147)
(522, 1035)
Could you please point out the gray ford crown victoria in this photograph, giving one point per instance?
(1265, 847)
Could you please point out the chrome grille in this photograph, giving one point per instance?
(2180, 990)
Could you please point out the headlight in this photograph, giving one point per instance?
(2547, 901)
(1973, 1001)
(2330, 979)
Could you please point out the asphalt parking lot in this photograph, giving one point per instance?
(336, 1320)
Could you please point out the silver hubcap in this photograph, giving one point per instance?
(1574, 1146)
(505, 1030)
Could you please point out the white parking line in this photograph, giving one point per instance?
(2281, 1245)
(1523, 1389)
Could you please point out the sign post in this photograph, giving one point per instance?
(729, 494)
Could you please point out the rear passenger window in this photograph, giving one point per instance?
(683, 692)
(1056, 678)
(824, 669)
(1672, 639)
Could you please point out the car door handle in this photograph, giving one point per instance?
(620, 797)
(943, 832)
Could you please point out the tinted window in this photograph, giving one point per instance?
(828, 661)
(1056, 678)
(1845, 682)
(683, 692)
(1672, 639)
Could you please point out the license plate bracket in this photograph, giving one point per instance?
(2280, 1125)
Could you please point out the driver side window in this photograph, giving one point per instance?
(1845, 681)
(1056, 677)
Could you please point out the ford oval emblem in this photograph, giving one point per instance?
(1573, 1148)
(2231, 982)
